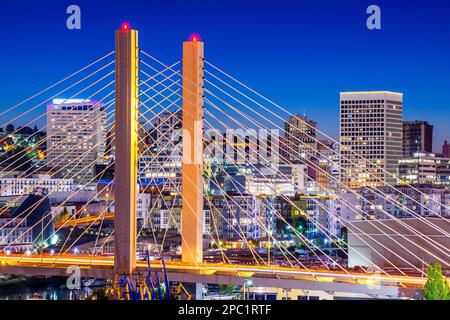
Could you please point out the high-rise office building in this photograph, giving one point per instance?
(76, 132)
(417, 138)
(300, 138)
(371, 137)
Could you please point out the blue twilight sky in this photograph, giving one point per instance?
(299, 53)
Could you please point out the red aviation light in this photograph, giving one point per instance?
(125, 26)
(194, 38)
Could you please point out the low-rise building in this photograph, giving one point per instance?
(387, 203)
(20, 186)
(15, 235)
(424, 168)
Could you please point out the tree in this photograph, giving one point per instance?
(10, 128)
(437, 287)
(227, 288)
(63, 216)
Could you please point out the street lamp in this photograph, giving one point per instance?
(204, 291)
(247, 285)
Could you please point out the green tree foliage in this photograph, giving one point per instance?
(63, 216)
(227, 289)
(437, 287)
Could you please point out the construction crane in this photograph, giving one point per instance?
(179, 290)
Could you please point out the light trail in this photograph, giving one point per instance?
(317, 274)
(83, 221)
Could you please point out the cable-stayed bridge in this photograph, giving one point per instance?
(138, 103)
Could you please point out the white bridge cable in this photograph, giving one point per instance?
(156, 157)
(35, 147)
(245, 240)
(56, 84)
(175, 222)
(62, 159)
(36, 205)
(260, 223)
(148, 121)
(81, 210)
(281, 251)
(319, 258)
(408, 208)
(99, 232)
(98, 217)
(160, 72)
(274, 114)
(172, 182)
(327, 232)
(63, 91)
(216, 233)
(318, 141)
(59, 169)
(253, 121)
(142, 115)
(320, 169)
(55, 166)
(58, 184)
(202, 223)
(154, 203)
(46, 113)
(301, 236)
(51, 212)
(307, 124)
(145, 189)
(308, 146)
(380, 192)
(103, 189)
(419, 270)
(356, 251)
(291, 227)
(74, 217)
(377, 227)
(263, 227)
(55, 187)
(172, 169)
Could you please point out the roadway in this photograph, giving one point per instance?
(377, 285)
(84, 221)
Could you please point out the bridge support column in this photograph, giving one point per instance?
(126, 167)
(192, 166)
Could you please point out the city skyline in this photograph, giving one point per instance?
(312, 51)
(218, 171)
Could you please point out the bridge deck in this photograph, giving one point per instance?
(262, 276)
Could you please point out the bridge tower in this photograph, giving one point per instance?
(192, 163)
(126, 167)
